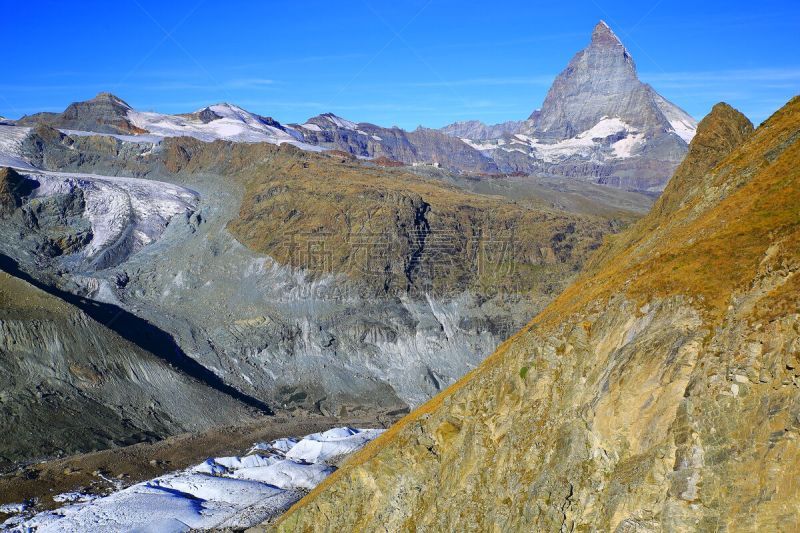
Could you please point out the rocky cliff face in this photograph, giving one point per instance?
(477, 130)
(104, 113)
(659, 392)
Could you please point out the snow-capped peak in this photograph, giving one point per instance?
(234, 124)
(339, 121)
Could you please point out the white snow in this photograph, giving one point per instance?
(311, 126)
(490, 144)
(606, 127)
(235, 492)
(281, 445)
(682, 123)
(11, 138)
(591, 143)
(142, 138)
(624, 147)
(119, 207)
(235, 124)
(341, 122)
(685, 129)
(72, 497)
(331, 445)
(12, 508)
(287, 474)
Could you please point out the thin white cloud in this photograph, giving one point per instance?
(733, 76)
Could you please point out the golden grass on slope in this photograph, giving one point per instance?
(709, 252)
(312, 212)
(708, 248)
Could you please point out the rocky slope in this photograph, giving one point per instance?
(659, 392)
(329, 285)
(475, 130)
(422, 146)
(104, 113)
(69, 384)
(597, 122)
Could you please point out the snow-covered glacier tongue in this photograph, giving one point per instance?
(221, 492)
(124, 214)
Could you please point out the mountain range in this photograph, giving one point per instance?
(598, 122)
(632, 273)
(333, 281)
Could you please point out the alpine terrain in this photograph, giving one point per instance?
(597, 122)
(658, 392)
(222, 317)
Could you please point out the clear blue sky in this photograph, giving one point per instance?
(401, 63)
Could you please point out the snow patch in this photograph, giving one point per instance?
(589, 144)
(235, 124)
(341, 122)
(221, 492)
(11, 138)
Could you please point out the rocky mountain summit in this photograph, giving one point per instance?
(659, 392)
(598, 122)
(105, 113)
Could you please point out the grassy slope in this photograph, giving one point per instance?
(313, 199)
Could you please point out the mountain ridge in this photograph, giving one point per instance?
(598, 122)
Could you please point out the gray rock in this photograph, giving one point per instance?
(598, 122)
(105, 113)
(422, 146)
(477, 130)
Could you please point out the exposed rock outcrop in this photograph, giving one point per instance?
(13, 188)
(105, 113)
(659, 392)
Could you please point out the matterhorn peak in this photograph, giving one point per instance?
(602, 34)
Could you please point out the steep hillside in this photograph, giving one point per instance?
(659, 392)
(397, 232)
(69, 384)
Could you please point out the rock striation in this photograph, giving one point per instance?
(69, 384)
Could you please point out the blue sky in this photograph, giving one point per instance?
(406, 63)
